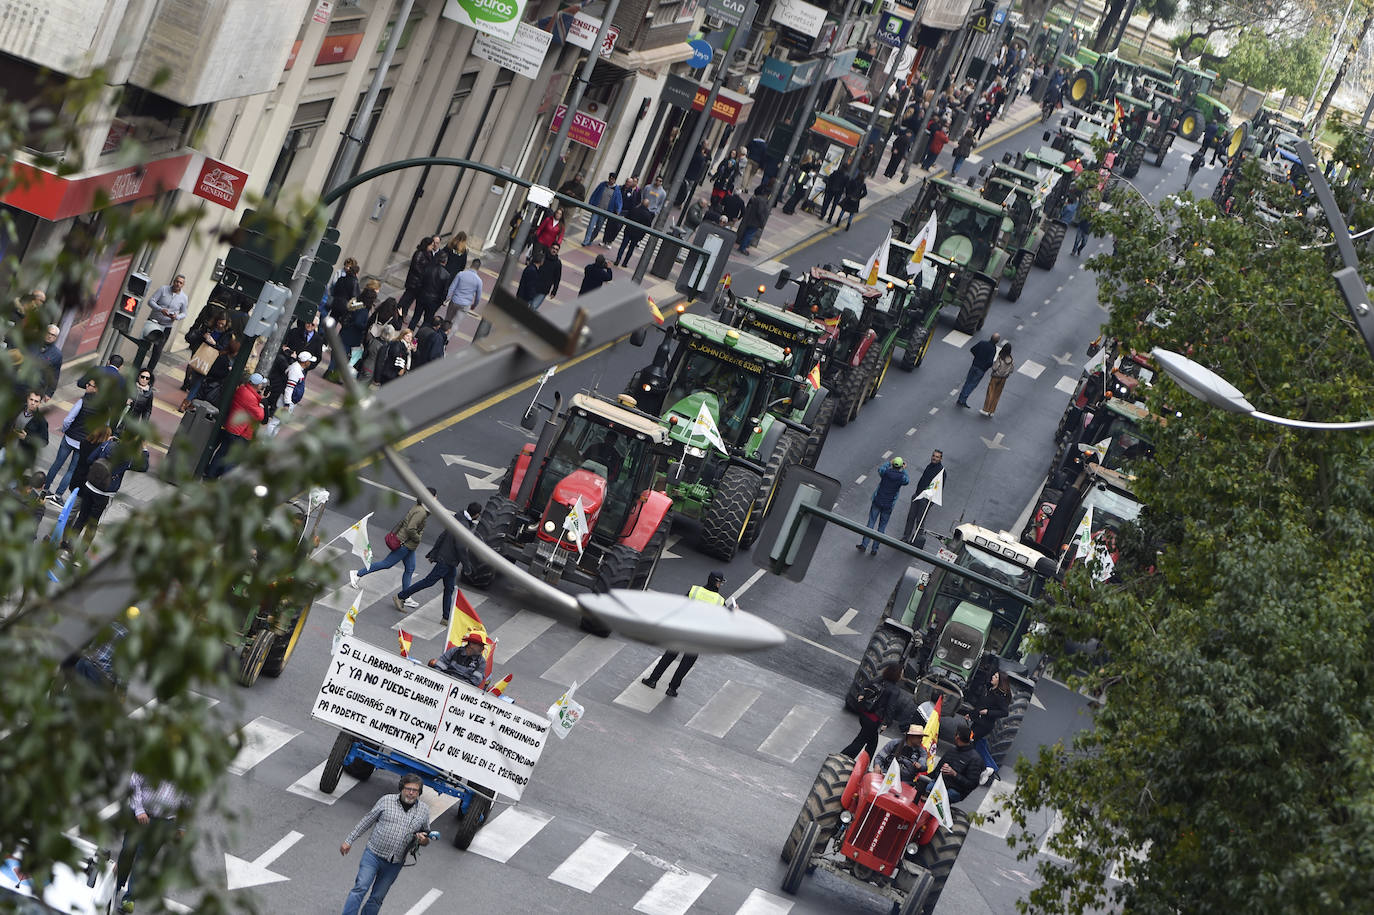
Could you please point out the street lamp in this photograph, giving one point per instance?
(1209, 387)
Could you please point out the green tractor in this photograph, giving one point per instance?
(1034, 234)
(950, 631)
(1150, 126)
(718, 391)
(861, 334)
(1268, 132)
(904, 297)
(1197, 107)
(806, 346)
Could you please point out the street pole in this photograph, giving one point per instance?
(737, 41)
(922, 138)
(1053, 63)
(348, 158)
(808, 107)
(887, 87)
(579, 88)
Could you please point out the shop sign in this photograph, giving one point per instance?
(339, 49)
(220, 183)
(725, 109)
(799, 16)
(524, 55)
(946, 14)
(841, 62)
(679, 91)
(495, 17)
(52, 197)
(582, 32)
(584, 129)
(837, 132)
(892, 29)
(731, 11)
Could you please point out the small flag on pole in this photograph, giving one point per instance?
(576, 524)
(565, 712)
(653, 310)
(500, 687)
(345, 628)
(406, 640)
(1098, 363)
(877, 260)
(931, 741)
(813, 377)
(935, 491)
(1120, 112)
(357, 538)
(892, 779)
(705, 426)
(1100, 449)
(1083, 537)
(937, 802)
(923, 242)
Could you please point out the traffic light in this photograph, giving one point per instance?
(320, 273)
(267, 310)
(130, 298)
(789, 537)
(253, 258)
(703, 273)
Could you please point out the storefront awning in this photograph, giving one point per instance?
(856, 85)
(838, 129)
(730, 107)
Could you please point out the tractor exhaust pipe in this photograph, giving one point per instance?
(541, 451)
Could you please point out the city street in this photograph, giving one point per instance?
(664, 805)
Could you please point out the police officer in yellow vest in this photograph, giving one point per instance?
(711, 595)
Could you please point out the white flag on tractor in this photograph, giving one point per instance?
(892, 779)
(923, 242)
(565, 712)
(938, 803)
(934, 492)
(705, 426)
(1083, 537)
(357, 538)
(346, 624)
(576, 524)
(877, 260)
(1100, 450)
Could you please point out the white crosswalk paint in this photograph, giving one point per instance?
(426, 622)
(438, 803)
(724, 709)
(502, 836)
(1056, 825)
(673, 893)
(761, 903)
(308, 786)
(261, 738)
(860, 480)
(910, 432)
(427, 900)
(143, 710)
(1030, 368)
(886, 455)
(583, 660)
(956, 338)
(593, 862)
(516, 633)
(1066, 384)
(793, 734)
(638, 696)
(999, 826)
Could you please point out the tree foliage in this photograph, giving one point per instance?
(1289, 62)
(1229, 769)
(1283, 20)
(194, 563)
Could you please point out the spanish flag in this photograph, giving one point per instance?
(931, 741)
(813, 377)
(406, 640)
(653, 310)
(500, 687)
(1120, 112)
(464, 620)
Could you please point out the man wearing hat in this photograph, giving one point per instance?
(294, 392)
(909, 753)
(711, 595)
(464, 660)
(891, 478)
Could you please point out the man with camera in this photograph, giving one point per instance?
(399, 824)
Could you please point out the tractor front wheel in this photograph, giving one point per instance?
(938, 856)
(1190, 126)
(973, 306)
(801, 859)
(1018, 282)
(1048, 253)
(1009, 726)
(1133, 160)
(283, 648)
(470, 822)
(915, 354)
(653, 552)
(788, 450)
(333, 766)
(820, 430)
(822, 805)
(255, 656)
(884, 648)
(493, 526)
(727, 514)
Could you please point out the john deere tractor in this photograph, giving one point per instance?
(1150, 126)
(951, 630)
(1100, 79)
(584, 503)
(722, 395)
(1196, 105)
(806, 344)
(860, 335)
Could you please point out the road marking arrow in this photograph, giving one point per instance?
(243, 873)
(489, 475)
(672, 542)
(1036, 703)
(1065, 359)
(995, 443)
(841, 625)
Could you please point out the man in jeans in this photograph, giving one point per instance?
(395, 820)
(984, 354)
(155, 814)
(892, 477)
(168, 306)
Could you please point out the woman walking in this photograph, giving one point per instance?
(878, 703)
(962, 151)
(550, 232)
(990, 705)
(395, 359)
(1002, 367)
(406, 535)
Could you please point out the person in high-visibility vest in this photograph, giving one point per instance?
(711, 595)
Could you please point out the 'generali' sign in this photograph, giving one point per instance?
(220, 183)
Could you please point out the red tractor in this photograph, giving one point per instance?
(584, 502)
(880, 840)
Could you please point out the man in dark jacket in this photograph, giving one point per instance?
(430, 342)
(574, 187)
(962, 766)
(891, 478)
(433, 288)
(594, 274)
(419, 260)
(529, 279)
(916, 512)
(696, 170)
(464, 660)
(49, 359)
(732, 206)
(305, 338)
(835, 184)
(630, 198)
(756, 213)
(31, 429)
(447, 556)
(907, 752)
(634, 233)
(900, 144)
(984, 353)
(550, 275)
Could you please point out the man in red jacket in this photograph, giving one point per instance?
(245, 414)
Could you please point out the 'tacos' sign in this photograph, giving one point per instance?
(495, 17)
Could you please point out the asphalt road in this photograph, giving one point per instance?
(654, 804)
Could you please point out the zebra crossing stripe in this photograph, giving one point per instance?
(638, 696)
(761, 903)
(592, 863)
(673, 893)
(427, 900)
(501, 837)
(516, 633)
(792, 735)
(261, 738)
(582, 661)
(308, 786)
(724, 709)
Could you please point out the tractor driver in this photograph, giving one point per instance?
(907, 751)
(604, 451)
(464, 660)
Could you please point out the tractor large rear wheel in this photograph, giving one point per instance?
(470, 822)
(1009, 726)
(1133, 160)
(820, 430)
(822, 805)
(973, 306)
(334, 765)
(493, 526)
(255, 656)
(938, 856)
(727, 514)
(880, 376)
(884, 648)
(1048, 253)
(1083, 89)
(1018, 282)
(285, 646)
(788, 450)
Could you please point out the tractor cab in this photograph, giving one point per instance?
(802, 339)
(728, 372)
(970, 226)
(1112, 435)
(838, 301)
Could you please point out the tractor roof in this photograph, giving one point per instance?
(841, 279)
(967, 197)
(619, 415)
(793, 321)
(999, 543)
(727, 336)
(1131, 101)
(1055, 162)
(1132, 411)
(1005, 169)
(1016, 187)
(1115, 479)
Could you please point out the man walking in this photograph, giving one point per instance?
(466, 290)
(891, 478)
(984, 353)
(155, 812)
(447, 556)
(920, 502)
(709, 594)
(655, 196)
(607, 196)
(756, 213)
(396, 820)
(168, 307)
(1195, 165)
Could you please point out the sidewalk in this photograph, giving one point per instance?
(783, 234)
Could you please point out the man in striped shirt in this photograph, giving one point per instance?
(395, 820)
